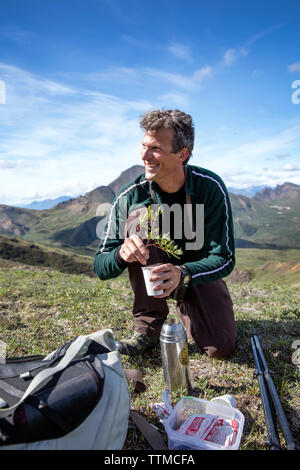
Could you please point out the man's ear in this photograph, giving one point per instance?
(184, 154)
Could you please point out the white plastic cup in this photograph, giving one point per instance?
(226, 400)
(147, 271)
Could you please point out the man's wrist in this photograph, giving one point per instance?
(186, 277)
(119, 260)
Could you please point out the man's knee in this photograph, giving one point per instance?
(222, 350)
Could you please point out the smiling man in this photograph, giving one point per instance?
(195, 281)
(162, 164)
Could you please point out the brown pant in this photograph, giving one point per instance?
(206, 312)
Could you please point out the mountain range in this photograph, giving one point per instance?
(269, 219)
(45, 203)
(49, 203)
(250, 191)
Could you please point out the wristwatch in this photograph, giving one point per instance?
(185, 276)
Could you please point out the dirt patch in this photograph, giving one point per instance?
(239, 276)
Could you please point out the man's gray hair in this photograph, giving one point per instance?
(182, 124)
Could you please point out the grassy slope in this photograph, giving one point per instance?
(279, 265)
(42, 255)
(41, 308)
(57, 222)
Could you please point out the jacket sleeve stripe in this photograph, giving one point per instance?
(214, 270)
(111, 213)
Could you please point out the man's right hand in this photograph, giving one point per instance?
(133, 249)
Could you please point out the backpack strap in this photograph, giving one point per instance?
(136, 376)
(149, 431)
(10, 389)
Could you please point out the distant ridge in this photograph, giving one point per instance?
(250, 191)
(45, 203)
(282, 191)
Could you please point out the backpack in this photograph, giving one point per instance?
(75, 398)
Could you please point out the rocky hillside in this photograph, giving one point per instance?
(289, 191)
(125, 177)
(16, 221)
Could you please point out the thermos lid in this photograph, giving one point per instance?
(172, 331)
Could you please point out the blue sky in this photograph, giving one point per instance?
(75, 77)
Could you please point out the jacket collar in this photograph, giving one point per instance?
(189, 182)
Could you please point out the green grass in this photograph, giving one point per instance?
(37, 254)
(40, 309)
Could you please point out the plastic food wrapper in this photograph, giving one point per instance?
(224, 432)
(200, 425)
(211, 428)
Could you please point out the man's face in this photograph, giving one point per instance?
(161, 163)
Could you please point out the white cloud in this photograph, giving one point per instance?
(124, 75)
(174, 79)
(282, 156)
(180, 51)
(186, 82)
(295, 67)
(270, 176)
(201, 74)
(230, 57)
(174, 99)
(264, 146)
(20, 36)
(233, 54)
(29, 82)
(256, 37)
(13, 164)
(139, 77)
(290, 167)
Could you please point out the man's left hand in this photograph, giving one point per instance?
(168, 273)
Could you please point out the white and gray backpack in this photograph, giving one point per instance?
(75, 398)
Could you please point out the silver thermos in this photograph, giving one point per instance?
(175, 355)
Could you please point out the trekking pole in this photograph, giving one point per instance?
(290, 444)
(272, 441)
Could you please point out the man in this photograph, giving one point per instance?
(206, 308)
